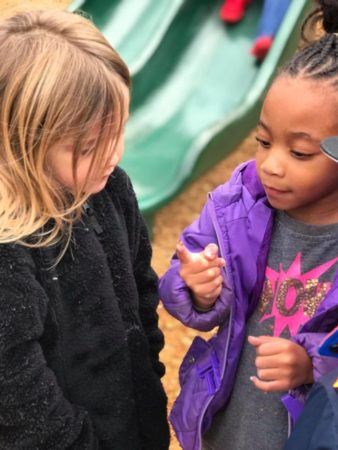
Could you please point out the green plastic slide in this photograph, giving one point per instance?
(197, 91)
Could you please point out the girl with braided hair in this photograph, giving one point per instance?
(261, 263)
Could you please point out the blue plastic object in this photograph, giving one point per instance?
(330, 346)
(272, 16)
(330, 147)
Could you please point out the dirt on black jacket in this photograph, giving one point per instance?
(79, 344)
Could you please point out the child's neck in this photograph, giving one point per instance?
(315, 217)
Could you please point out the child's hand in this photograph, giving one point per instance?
(202, 273)
(281, 364)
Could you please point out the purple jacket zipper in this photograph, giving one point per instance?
(228, 278)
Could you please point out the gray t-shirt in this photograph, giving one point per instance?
(301, 265)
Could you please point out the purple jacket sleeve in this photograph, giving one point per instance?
(176, 295)
(321, 364)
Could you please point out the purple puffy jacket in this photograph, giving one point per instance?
(238, 218)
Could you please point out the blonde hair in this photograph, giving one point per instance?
(58, 75)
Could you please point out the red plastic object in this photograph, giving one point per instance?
(232, 11)
(261, 47)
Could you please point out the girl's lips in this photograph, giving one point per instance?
(273, 191)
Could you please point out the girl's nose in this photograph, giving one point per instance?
(273, 165)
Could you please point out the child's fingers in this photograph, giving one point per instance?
(197, 260)
(214, 294)
(210, 252)
(183, 254)
(268, 345)
(259, 340)
(209, 299)
(269, 374)
(269, 349)
(274, 347)
(200, 266)
(207, 258)
(206, 276)
(268, 362)
(268, 386)
(207, 289)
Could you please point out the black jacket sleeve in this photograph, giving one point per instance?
(146, 278)
(147, 284)
(34, 413)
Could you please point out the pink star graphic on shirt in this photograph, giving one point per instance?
(295, 296)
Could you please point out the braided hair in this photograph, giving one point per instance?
(318, 59)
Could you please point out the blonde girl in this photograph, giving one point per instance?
(79, 337)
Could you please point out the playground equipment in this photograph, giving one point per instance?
(197, 91)
(273, 12)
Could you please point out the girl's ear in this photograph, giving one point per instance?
(329, 146)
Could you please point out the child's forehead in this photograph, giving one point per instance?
(102, 124)
(89, 135)
(305, 104)
(96, 132)
(304, 91)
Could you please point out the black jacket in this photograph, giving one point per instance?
(79, 344)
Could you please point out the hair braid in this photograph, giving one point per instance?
(319, 59)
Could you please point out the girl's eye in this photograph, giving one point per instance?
(262, 142)
(300, 155)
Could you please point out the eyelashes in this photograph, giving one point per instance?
(262, 142)
(294, 153)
